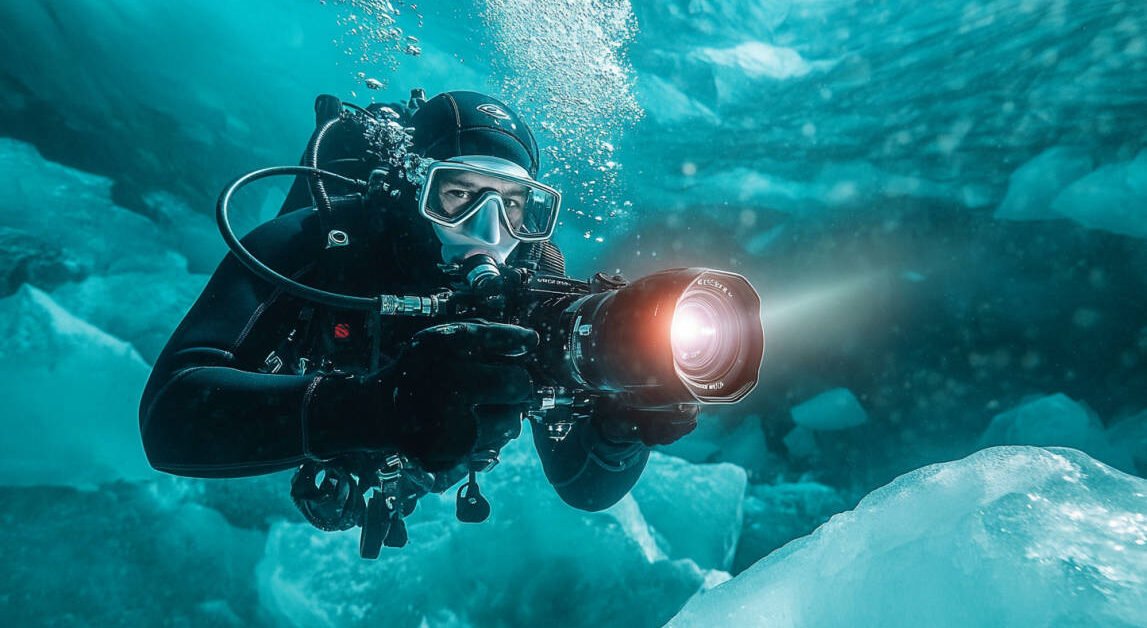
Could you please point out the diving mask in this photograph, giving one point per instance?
(460, 189)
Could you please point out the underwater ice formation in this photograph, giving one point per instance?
(1112, 198)
(127, 554)
(939, 101)
(1056, 420)
(534, 561)
(835, 409)
(770, 130)
(70, 405)
(777, 514)
(1036, 184)
(694, 510)
(1011, 536)
(1061, 183)
(107, 265)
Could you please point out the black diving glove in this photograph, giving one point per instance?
(455, 390)
(619, 422)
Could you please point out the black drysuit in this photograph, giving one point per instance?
(213, 408)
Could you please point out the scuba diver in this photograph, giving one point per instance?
(257, 379)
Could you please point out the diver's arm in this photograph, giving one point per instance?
(586, 470)
(206, 412)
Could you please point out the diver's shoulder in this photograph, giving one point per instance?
(290, 240)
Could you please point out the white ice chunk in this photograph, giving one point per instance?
(1113, 198)
(1055, 420)
(70, 398)
(738, 71)
(836, 409)
(696, 509)
(1034, 185)
(1010, 536)
(835, 186)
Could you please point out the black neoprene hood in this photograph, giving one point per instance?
(469, 123)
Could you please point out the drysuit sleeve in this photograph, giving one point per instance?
(207, 411)
(587, 471)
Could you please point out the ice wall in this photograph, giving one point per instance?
(93, 290)
(892, 101)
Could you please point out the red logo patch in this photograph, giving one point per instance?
(342, 330)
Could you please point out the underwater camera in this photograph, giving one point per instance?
(677, 336)
(682, 335)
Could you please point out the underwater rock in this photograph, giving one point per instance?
(1010, 536)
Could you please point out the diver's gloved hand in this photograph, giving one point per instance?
(457, 389)
(619, 422)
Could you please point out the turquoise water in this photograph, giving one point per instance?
(942, 206)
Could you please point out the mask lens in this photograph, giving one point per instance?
(454, 192)
(450, 196)
(535, 218)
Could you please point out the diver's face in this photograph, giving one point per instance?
(458, 190)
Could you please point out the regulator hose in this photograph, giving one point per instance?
(290, 286)
(318, 191)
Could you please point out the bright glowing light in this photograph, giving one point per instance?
(688, 326)
(691, 332)
(835, 304)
